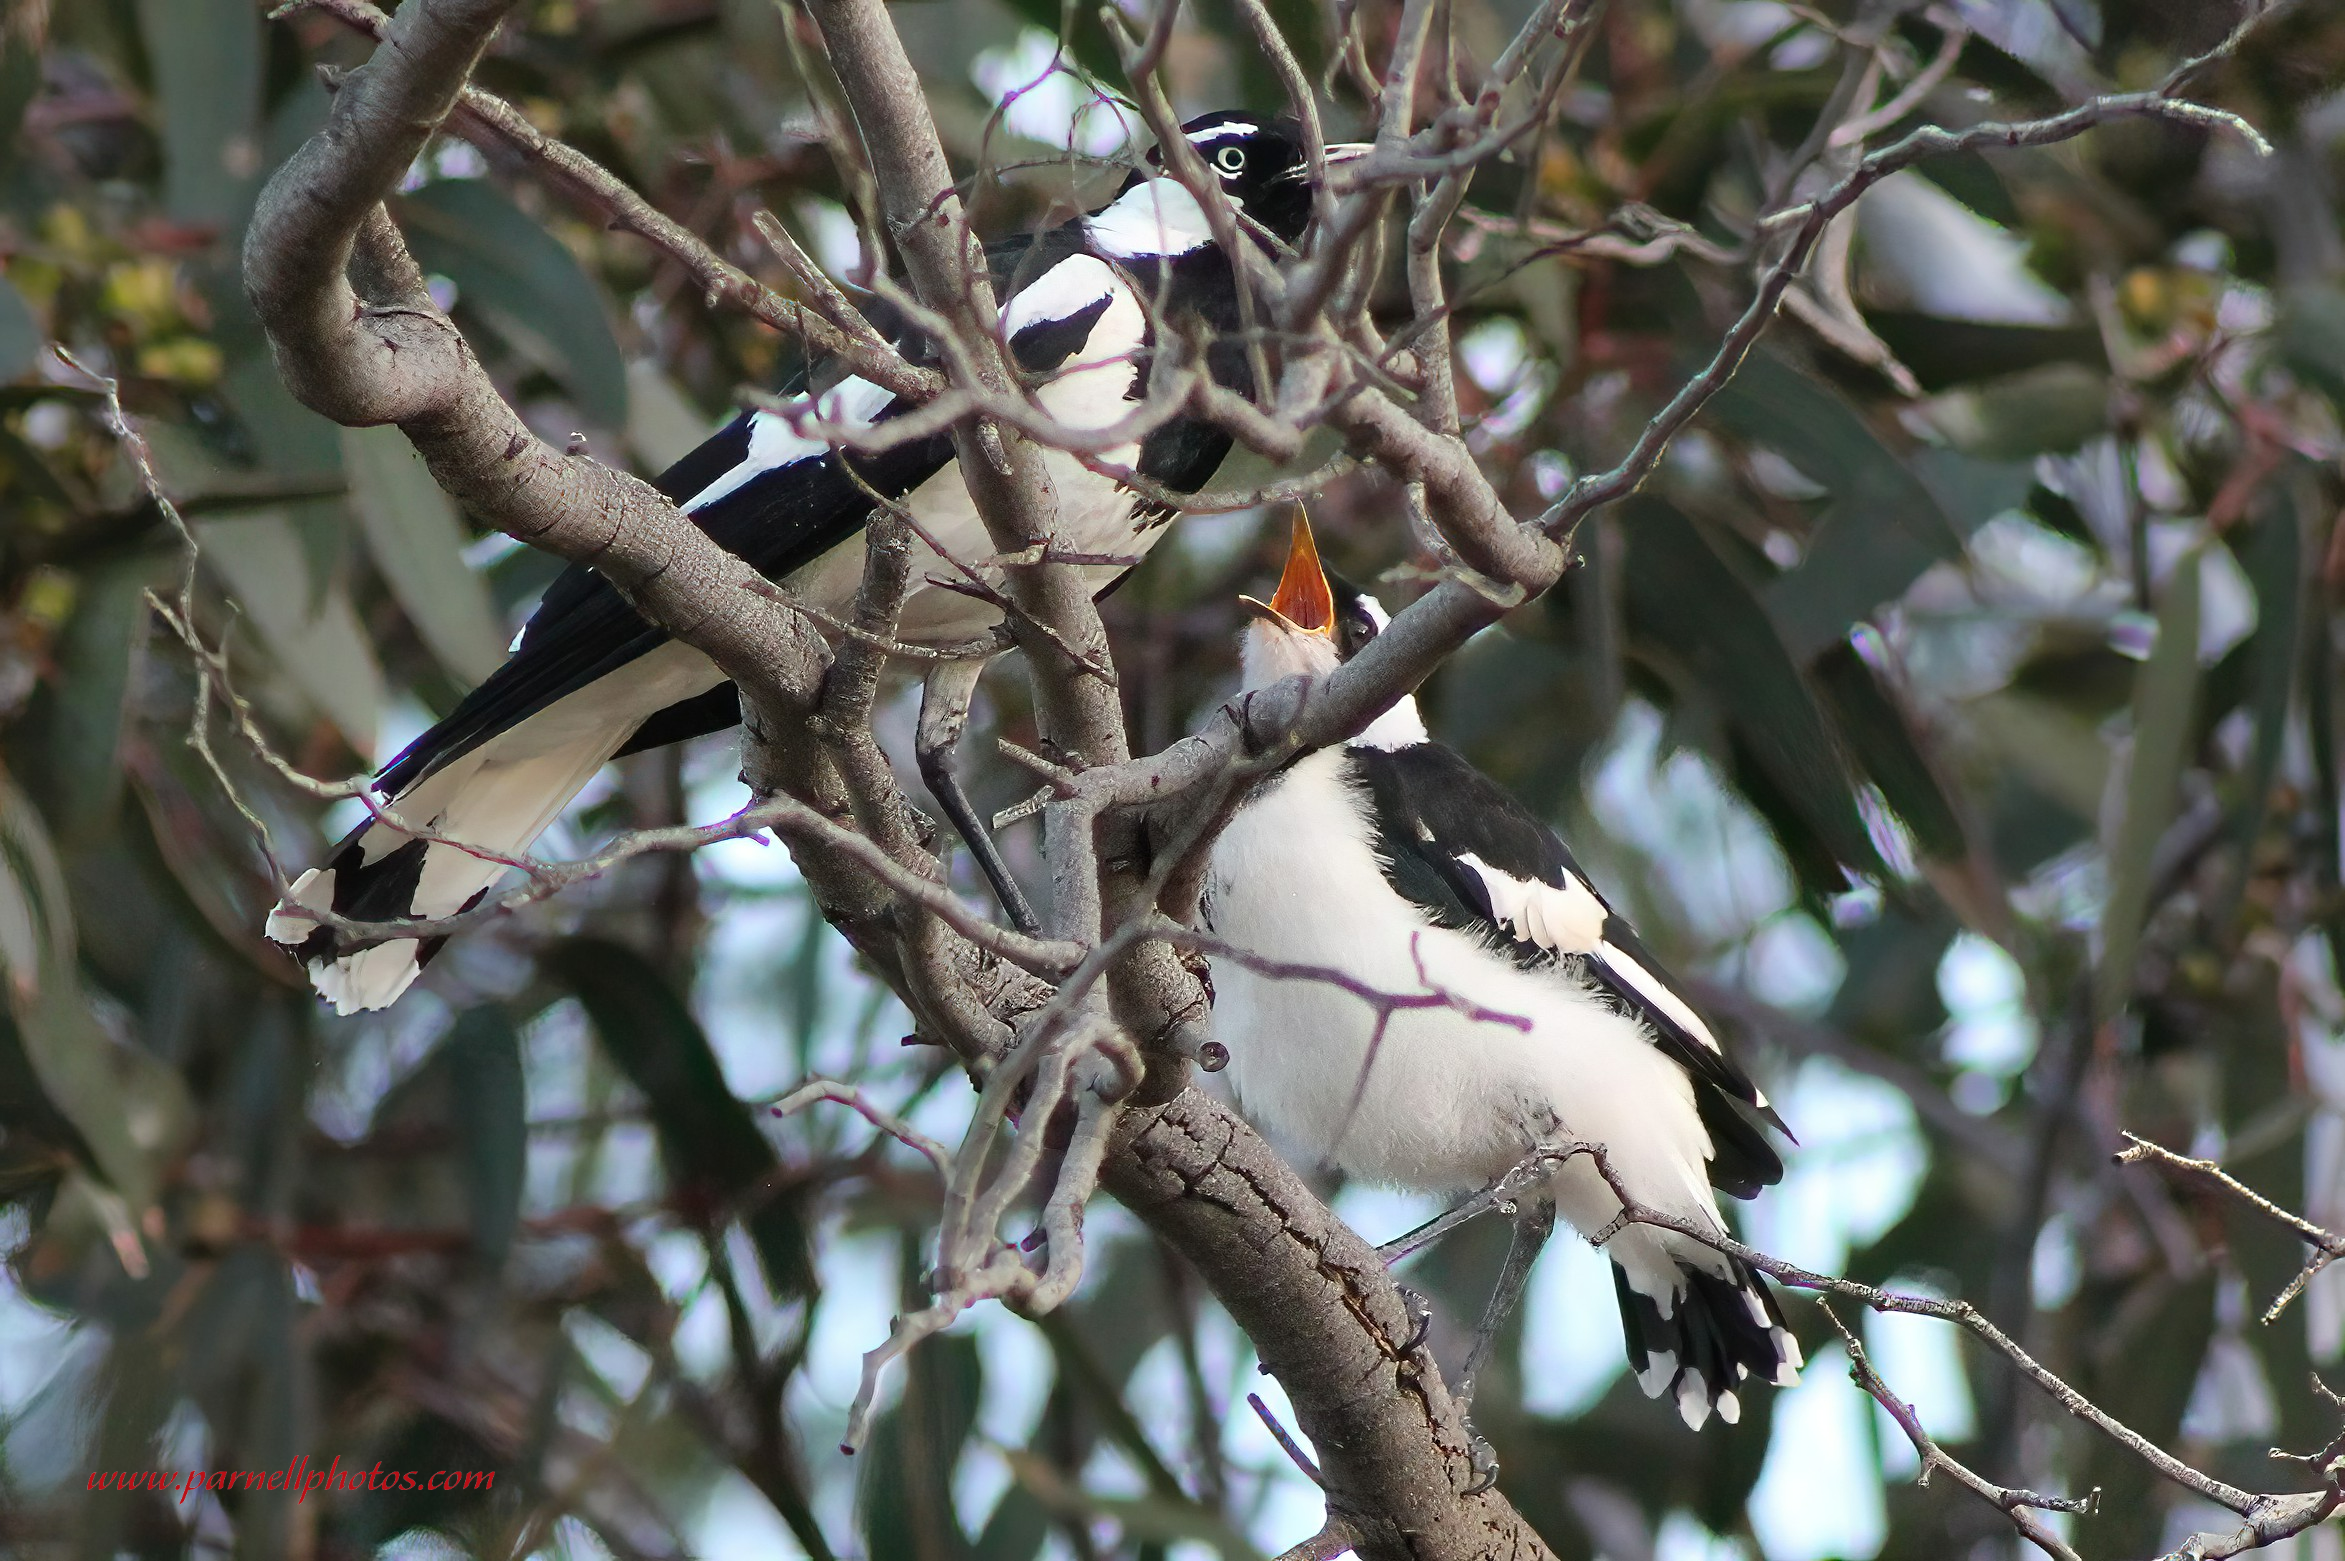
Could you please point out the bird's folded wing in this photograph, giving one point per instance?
(770, 487)
(1468, 852)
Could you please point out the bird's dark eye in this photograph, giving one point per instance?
(1230, 159)
(1352, 631)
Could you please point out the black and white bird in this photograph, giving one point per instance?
(589, 679)
(1395, 861)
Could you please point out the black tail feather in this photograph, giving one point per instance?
(1721, 1332)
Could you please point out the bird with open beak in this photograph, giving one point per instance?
(1392, 860)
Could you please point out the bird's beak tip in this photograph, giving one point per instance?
(1303, 600)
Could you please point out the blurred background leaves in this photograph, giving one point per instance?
(1958, 705)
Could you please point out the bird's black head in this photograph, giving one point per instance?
(1314, 621)
(1260, 162)
(1359, 617)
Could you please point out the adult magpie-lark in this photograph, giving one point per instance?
(589, 679)
(1393, 860)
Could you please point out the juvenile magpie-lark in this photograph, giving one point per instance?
(589, 679)
(1394, 861)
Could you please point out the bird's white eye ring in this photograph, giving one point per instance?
(1230, 159)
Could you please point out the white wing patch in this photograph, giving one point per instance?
(1156, 217)
(775, 442)
(1656, 992)
(1066, 289)
(1569, 920)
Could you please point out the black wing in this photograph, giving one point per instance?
(1464, 849)
(779, 520)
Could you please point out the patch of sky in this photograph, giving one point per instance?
(1284, 1505)
(1681, 1537)
(422, 1544)
(1803, 50)
(2015, 559)
(830, 236)
(2231, 1400)
(2066, 890)
(1721, 869)
(1017, 1366)
(1210, 542)
(1497, 357)
(1694, 457)
(555, 1052)
(2227, 610)
(1925, 250)
(1045, 97)
(744, 987)
(1793, 964)
(1921, 1358)
(1852, 1175)
(367, 1056)
(1990, 1036)
(2055, 1267)
(1736, 24)
(626, 1163)
(617, 1359)
(1819, 1492)
(53, 1381)
(1382, 1213)
(859, 1295)
(1572, 1349)
(737, 1523)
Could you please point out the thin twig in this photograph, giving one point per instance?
(2020, 1506)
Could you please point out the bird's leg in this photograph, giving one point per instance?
(944, 715)
(1533, 1224)
(1502, 1196)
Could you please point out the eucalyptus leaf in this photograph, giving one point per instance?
(2310, 336)
(663, 426)
(1142, 1518)
(720, 1163)
(258, 557)
(2272, 556)
(2164, 706)
(207, 63)
(1687, 605)
(491, 1120)
(20, 333)
(2042, 411)
(129, 1108)
(1883, 739)
(417, 540)
(525, 284)
(1883, 527)
(906, 1492)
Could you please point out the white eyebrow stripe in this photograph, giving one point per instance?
(1235, 130)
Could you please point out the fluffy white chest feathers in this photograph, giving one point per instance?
(1449, 1100)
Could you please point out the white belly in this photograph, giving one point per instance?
(1449, 1101)
(1094, 511)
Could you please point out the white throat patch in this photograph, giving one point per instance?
(1155, 218)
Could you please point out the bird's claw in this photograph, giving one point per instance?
(1420, 1318)
(1484, 1458)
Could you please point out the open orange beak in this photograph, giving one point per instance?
(1303, 599)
